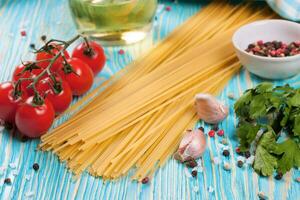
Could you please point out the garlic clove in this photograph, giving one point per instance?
(193, 145)
(185, 141)
(209, 109)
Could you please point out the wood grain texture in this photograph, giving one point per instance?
(53, 181)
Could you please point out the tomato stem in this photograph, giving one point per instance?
(38, 100)
(88, 51)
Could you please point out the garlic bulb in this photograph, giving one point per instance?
(192, 145)
(209, 109)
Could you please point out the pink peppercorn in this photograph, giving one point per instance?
(260, 42)
(23, 33)
(278, 52)
(121, 51)
(256, 49)
(238, 150)
(284, 45)
(220, 132)
(145, 180)
(211, 133)
(168, 8)
(273, 53)
(274, 48)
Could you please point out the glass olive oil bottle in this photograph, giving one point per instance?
(114, 22)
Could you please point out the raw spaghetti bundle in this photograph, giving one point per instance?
(139, 118)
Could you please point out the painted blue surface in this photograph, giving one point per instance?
(53, 181)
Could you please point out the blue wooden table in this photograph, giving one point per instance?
(53, 181)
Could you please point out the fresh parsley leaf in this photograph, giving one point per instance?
(265, 162)
(285, 90)
(290, 152)
(295, 99)
(264, 87)
(274, 109)
(246, 133)
(258, 106)
(296, 129)
(274, 101)
(286, 116)
(241, 106)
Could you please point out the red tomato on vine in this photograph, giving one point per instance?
(9, 102)
(58, 92)
(33, 120)
(26, 71)
(52, 51)
(78, 75)
(93, 55)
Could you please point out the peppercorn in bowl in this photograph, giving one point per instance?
(269, 48)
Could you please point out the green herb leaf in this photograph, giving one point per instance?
(246, 133)
(290, 152)
(265, 162)
(296, 129)
(258, 106)
(241, 107)
(275, 109)
(295, 99)
(264, 87)
(286, 115)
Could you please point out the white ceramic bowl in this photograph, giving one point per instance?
(268, 30)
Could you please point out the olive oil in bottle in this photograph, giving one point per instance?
(114, 22)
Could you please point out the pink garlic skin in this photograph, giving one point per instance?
(193, 144)
(209, 109)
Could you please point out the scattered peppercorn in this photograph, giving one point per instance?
(8, 126)
(224, 141)
(279, 176)
(145, 180)
(168, 8)
(262, 196)
(194, 173)
(226, 153)
(238, 150)
(121, 52)
(220, 133)
(7, 181)
(227, 166)
(35, 166)
(201, 128)
(191, 163)
(23, 33)
(24, 138)
(32, 46)
(43, 37)
(215, 127)
(231, 96)
(211, 133)
(274, 48)
(189, 158)
(240, 164)
(247, 154)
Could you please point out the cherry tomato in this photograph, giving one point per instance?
(93, 55)
(81, 79)
(34, 120)
(9, 103)
(58, 93)
(45, 55)
(27, 74)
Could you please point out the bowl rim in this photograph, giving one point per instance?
(276, 59)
